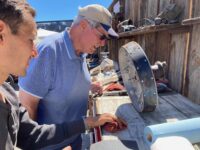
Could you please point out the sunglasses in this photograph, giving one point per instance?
(101, 35)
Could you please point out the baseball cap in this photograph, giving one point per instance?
(99, 14)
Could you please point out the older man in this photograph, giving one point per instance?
(57, 84)
(17, 32)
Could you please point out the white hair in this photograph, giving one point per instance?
(79, 18)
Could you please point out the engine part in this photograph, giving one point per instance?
(138, 77)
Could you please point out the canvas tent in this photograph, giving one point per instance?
(42, 33)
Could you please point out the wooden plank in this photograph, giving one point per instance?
(151, 29)
(131, 10)
(185, 6)
(152, 9)
(113, 48)
(141, 41)
(150, 47)
(120, 44)
(162, 46)
(142, 11)
(194, 66)
(183, 105)
(196, 8)
(163, 113)
(191, 21)
(163, 4)
(147, 42)
(183, 29)
(176, 67)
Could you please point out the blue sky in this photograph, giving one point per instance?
(61, 9)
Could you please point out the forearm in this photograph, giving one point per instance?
(34, 136)
(31, 111)
(30, 102)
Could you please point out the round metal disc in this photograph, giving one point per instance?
(138, 77)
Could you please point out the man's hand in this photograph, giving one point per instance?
(96, 88)
(102, 119)
(67, 148)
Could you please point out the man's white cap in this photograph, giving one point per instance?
(99, 14)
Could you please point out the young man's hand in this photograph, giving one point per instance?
(102, 119)
(67, 148)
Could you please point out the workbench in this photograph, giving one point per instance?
(172, 107)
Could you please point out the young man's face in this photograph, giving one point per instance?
(19, 48)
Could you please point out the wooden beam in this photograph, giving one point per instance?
(153, 28)
(110, 8)
(191, 21)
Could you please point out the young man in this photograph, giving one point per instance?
(58, 81)
(17, 32)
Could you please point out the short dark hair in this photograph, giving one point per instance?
(12, 12)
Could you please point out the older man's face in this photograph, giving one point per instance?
(92, 38)
(19, 48)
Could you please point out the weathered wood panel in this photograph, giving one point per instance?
(163, 40)
(131, 10)
(183, 105)
(120, 44)
(185, 5)
(163, 4)
(141, 41)
(113, 49)
(139, 9)
(150, 47)
(147, 42)
(194, 66)
(196, 8)
(191, 21)
(152, 8)
(176, 62)
(163, 113)
(142, 11)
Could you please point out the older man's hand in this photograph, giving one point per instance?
(96, 88)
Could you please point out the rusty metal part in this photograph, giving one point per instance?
(138, 77)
